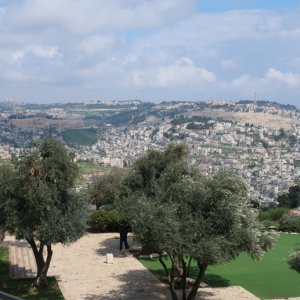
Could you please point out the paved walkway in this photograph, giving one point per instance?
(21, 260)
(83, 273)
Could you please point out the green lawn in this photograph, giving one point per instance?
(268, 278)
(86, 167)
(85, 137)
(19, 287)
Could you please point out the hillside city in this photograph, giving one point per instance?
(258, 140)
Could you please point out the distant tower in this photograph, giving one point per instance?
(255, 98)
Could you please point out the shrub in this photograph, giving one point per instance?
(294, 260)
(273, 214)
(104, 221)
(289, 223)
(267, 224)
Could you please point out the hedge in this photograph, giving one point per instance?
(104, 221)
(273, 214)
(289, 223)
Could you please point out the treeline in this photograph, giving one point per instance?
(196, 126)
(23, 116)
(119, 105)
(132, 116)
(280, 217)
(290, 199)
(182, 120)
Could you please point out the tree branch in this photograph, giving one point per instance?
(165, 267)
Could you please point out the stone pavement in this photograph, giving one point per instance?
(21, 260)
(82, 272)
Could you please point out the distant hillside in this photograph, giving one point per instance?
(268, 103)
(83, 137)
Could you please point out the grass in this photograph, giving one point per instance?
(86, 170)
(269, 278)
(20, 287)
(86, 167)
(84, 137)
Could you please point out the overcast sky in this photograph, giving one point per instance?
(77, 50)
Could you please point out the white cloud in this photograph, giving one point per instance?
(157, 49)
(17, 56)
(15, 75)
(38, 51)
(44, 52)
(228, 63)
(272, 79)
(97, 15)
(182, 72)
(99, 43)
(291, 79)
(273, 85)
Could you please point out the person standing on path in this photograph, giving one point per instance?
(123, 228)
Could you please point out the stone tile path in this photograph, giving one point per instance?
(21, 261)
(82, 272)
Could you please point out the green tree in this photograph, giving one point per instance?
(175, 210)
(5, 192)
(290, 199)
(282, 132)
(294, 260)
(40, 205)
(103, 188)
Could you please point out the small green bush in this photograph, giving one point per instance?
(294, 260)
(267, 224)
(104, 221)
(273, 214)
(289, 223)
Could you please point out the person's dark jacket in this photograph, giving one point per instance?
(123, 228)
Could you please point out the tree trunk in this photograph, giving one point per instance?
(183, 278)
(2, 235)
(171, 281)
(202, 268)
(41, 264)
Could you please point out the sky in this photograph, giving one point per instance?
(156, 50)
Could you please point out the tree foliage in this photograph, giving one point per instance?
(273, 214)
(5, 192)
(175, 210)
(289, 223)
(39, 205)
(103, 188)
(294, 260)
(290, 199)
(104, 221)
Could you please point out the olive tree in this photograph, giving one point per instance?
(176, 211)
(5, 192)
(102, 189)
(39, 203)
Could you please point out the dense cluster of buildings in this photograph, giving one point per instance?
(267, 157)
